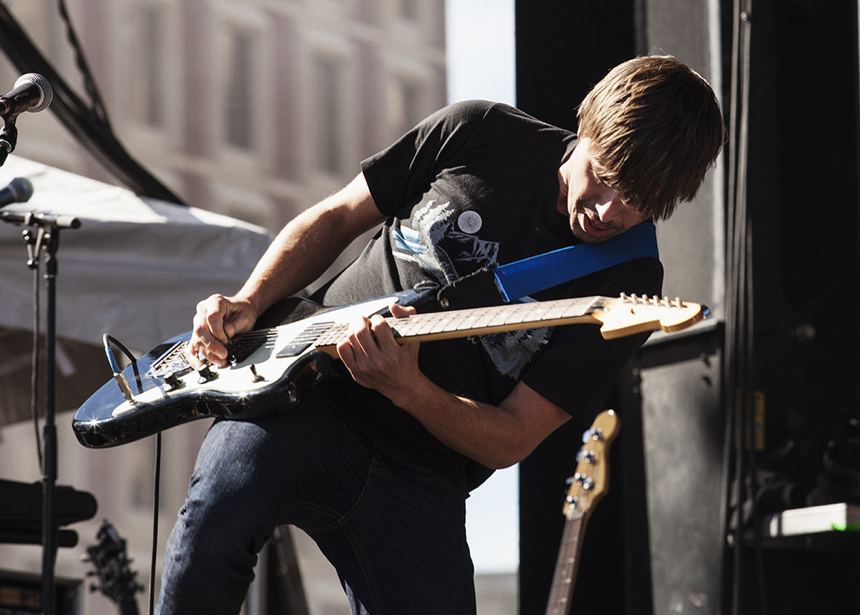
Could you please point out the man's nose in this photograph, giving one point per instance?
(607, 207)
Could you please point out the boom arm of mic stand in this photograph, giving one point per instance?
(41, 220)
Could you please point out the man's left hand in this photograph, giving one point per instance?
(376, 360)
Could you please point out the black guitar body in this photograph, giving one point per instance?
(106, 419)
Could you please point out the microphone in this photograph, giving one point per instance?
(32, 93)
(19, 190)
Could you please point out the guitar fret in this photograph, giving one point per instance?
(554, 311)
(519, 314)
(484, 319)
(420, 324)
(467, 321)
(333, 334)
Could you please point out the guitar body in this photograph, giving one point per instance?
(271, 368)
(108, 419)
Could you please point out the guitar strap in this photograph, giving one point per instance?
(522, 278)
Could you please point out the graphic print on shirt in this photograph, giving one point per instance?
(444, 253)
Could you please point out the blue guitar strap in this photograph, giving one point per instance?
(530, 275)
(522, 278)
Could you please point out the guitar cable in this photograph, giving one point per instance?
(156, 496)
(155, 508)
(107, 340)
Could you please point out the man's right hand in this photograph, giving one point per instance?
(299, 254)
(217, 321)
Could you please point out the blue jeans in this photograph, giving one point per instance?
(395, 531)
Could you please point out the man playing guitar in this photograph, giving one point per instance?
(376, 468)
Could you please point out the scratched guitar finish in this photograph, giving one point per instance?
(271, 368)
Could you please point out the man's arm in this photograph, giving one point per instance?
(301, 252)
(495, 436)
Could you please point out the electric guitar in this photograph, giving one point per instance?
(116, 580)
(270, 368)
(587, 486)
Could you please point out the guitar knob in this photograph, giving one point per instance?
(172, 381)
(257, 377)
(205, 375)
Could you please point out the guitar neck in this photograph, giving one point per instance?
(478, 321)
(128, 606)
(566, 566)
(618, 317)
(587, 487)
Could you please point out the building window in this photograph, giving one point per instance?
(328, 92)
(239, 116)
(408, 9)
(147, 101)
(405, 109)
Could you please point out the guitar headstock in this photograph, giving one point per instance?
(116, 579)
(591, 480)
(630, 314)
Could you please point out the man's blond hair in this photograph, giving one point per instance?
(655, 128)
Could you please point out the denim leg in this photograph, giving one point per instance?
(197, 573)
(248, 475)
(394, 532)
(402, 547)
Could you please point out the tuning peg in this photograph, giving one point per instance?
(586, 482)
(593, 433)
(585, 455)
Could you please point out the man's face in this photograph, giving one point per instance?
(596, 211)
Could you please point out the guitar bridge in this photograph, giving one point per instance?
(172, 365)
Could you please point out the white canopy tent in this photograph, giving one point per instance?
(135, 268)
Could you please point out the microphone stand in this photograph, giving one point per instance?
(46, 242)
(8, 139)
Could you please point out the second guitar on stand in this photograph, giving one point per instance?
(588, 485)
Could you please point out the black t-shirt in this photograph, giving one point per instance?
(476, 185)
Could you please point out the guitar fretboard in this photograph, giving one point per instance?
(566, 565)
(477, 321)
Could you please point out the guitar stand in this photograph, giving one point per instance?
(42, 246)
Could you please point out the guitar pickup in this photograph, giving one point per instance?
(303, 340)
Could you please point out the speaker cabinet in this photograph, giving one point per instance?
(21, 594)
